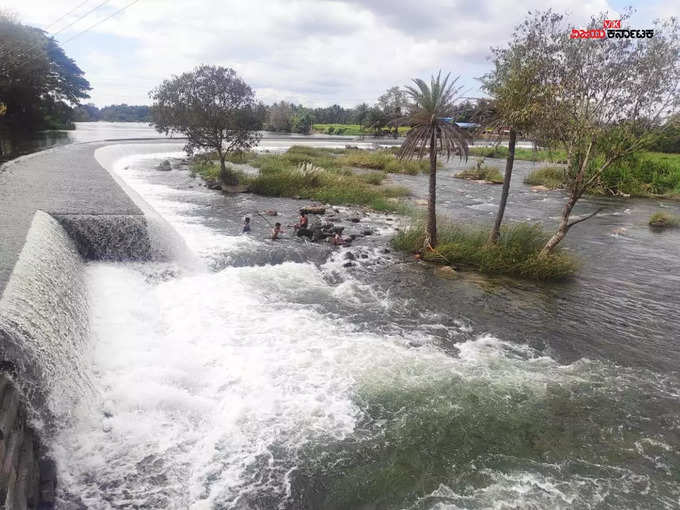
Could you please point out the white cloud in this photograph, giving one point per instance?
(317, 52)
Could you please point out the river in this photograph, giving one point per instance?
(271, 375)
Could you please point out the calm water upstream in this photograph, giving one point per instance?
(275, 377)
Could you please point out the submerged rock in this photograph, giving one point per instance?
(165, 166)
(349, 256)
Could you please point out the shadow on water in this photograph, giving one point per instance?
(17, 143)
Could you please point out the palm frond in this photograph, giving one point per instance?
(430, 105)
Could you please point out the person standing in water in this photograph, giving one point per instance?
(303, 222)
(246, 225)
(276, 231)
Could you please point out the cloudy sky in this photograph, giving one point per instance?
(316, 52)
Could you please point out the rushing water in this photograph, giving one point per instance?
(276, 377)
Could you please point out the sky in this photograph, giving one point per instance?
(314, 52)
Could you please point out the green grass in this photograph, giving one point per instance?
(554, 156)
(384, 160)
(348, 129)
(516, 253)
(482, 172)
(663, 219)
(313, 173)
(549, 176)
(650, 174)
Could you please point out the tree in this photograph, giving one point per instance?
(601, 96)
(430, 105)
(38, 82)
(376, 120)
(515, 86)
(302, 122)
(280, 117)
(212, 107)
(393, 103)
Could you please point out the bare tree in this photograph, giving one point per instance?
(213, 108)
(601, 96)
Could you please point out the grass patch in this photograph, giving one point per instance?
(482, 172)
(664, 220)
(384, 160)
(549, 176)
(516, 253)
(312, 173)
(349, 129)
(649, 174)
(500, 151)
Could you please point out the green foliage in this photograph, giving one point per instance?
(499, 151)
(314, 173)
(515, 254)
(38, 81)
(112, 113)
(646, 174)
(663, 219)
(384, 160)
(549, 176)
(349, 129)
(375, 178)
(241, 157)
(482, 172)
(667, 137)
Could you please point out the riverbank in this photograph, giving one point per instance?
(648, 174)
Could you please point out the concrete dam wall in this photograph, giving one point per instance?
(58, 210)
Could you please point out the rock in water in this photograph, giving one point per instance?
(313, 209)
(165, 166)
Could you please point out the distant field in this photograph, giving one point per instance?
(348, 129)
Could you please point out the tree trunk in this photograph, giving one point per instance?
(225, 176)
(431, 235)
(563, 228)
(496, 232)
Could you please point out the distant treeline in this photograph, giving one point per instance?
(112, 113)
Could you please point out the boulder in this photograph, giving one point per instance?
(165, 166)
(355, 220)
(367, 232)
(349, 256)
(348, 264)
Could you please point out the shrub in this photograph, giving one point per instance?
(384, 160)
(646, 174)
(516, 254)
(482, 172)
(549, 176)
(375, 178)
(664, 220)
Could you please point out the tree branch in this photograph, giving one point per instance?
(571, 224)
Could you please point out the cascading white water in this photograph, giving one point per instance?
(215, 389)
(44, 320)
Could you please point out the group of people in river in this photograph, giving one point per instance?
(303, 229)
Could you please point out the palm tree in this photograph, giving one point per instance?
(430, 129)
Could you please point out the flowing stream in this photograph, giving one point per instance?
(273, 376)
